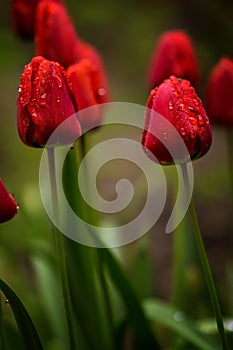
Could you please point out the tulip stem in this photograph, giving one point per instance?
(230, 157)
(2, 328)
(61, 259)
(205, 264)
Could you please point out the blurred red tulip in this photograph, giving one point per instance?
(86, 85)
(44, 102)
(8, 206)
(23, 13)
(219, 96)
(23, 17)
(177, 102)
(56, 38)
(173, 55)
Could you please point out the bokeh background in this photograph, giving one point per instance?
(125, 33)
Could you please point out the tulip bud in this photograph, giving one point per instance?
(23, 17)
(219, 99)
(173, 55)
(8, 206)
(56, 38)
(177, 102)
(44, 102)
(86, 79)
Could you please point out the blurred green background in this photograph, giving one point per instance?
(125, 33)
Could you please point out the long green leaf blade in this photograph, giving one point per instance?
(27, 330)
(170, 317)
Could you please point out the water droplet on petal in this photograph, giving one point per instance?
(36, 81)
(192, 134)
(165, 135)
(19, 89)
(57, 80)
(58, 99)
(42, 82)
(102, 92)
(43, 99)
(181, 107)
(193, 120)
(182, 132)
(200, 120)
(170, 105)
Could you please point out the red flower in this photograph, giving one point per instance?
(23, 13)
(173, 55)
(8, 206)
(44, 101)
(56, 38)
(177, 102)
(219, 101)
(23, 17)
(86, 85)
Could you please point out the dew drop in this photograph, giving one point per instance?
(193, 120)
(43, 99)
(192, 134)
(19, 89)
(181, 107)
(42, 82)
(36, 81)
(7, 301)
(200, 120)
(170, 105)
(182, 131)
(58, 99)
(58, 80)
(165, 135)
(179, 316)
(191, 108)
(102, 92)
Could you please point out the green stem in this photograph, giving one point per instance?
(2, 328)
(102, 277)
(108, 304)
(230, 157)
(205, 265)
(61, 260)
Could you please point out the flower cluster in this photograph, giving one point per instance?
(64, 77)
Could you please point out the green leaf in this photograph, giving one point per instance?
(208, 326)
(175, 320)
(27, 330)
(144, 336)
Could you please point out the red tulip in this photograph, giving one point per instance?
(219, 101)
(177, 102)
(8, 206)
(23, 13)
(23, 17)
(85, 50)
(173, 55)
(56, 38)
(44, 101)
(86, 85)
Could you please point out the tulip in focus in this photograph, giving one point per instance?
(44, 102)
(173, 55)
(219, 96)
(177, 102)
(8, 206)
